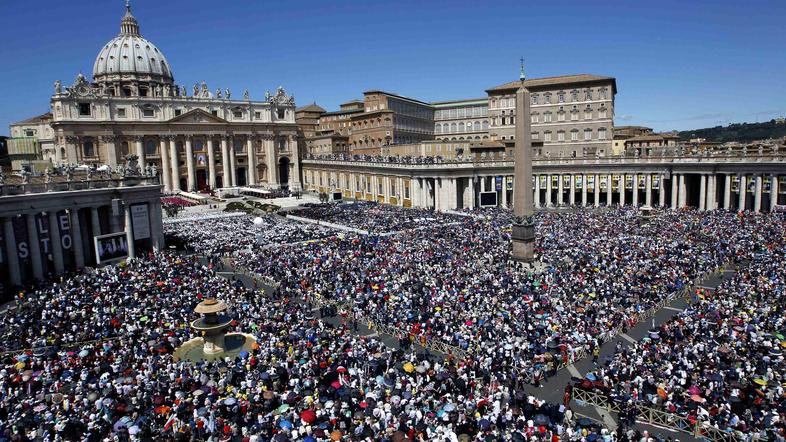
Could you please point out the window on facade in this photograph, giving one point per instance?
(588, 95)
(148, 113)
(461, 127)
(84, 109)
(237, 114)
(574, 116)
(30, 133)
(561, 116)
(602, 133)
(150, 147)
(87, 148)
(214, 113)
(547, 117)
(280, 113)
(587, 134)
(453, 127)
(602, 113)
(121, 112)
(485, 125)
(546, 136)
(547, 98)
(476, 126)
(603, 93)
(561, 97)
(257, 115)
(535, 135)
(126, 91)
(574, 96)
(533, 118)
(574, 135)
(561, 136)
(143, 92)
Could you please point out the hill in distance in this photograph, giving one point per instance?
(743, 132)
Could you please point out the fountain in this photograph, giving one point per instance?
(215, 343)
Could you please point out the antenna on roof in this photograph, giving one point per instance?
(521, 73)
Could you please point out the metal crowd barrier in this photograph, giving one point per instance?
(661, 418)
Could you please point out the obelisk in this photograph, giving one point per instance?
(523, 209)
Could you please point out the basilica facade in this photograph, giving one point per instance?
(195, 139)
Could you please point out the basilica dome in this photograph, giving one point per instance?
(129, 55)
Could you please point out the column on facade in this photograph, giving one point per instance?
(712, 185)
(71, 149)
(584, 189)
(226, 180)
(12, 256)
(683, 190)
(211, 162)
(504, 191)
(469, 193)
(609, 190)
(537, 191)
(621, 190)
(233, 162)
(757, 195)
(109, 147)
(674, 190)
(175, 160)
(437, 193)
(773, 191)
(54, 242)
(743, 187)
(129, 232)
(190, 167)
(727, 191)
(662, 191)
(648, 189)
(76, 232)
(426, 194)
(95, 221)
(140, 151)
(635, 196)
(547, 198)
(572, 198)
(402, 192)
(295, 176)
(597, 190)
(166, 168)
(272, 169)
(703, 192)
(560, 189)
(386, 189)
(34, 246)
(252, 161)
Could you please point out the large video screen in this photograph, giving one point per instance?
(488, 199)
(111, 247)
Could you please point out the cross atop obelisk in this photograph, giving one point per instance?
(523, 209)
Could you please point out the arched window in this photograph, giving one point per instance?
(485, 125)
(438, 129)
(587, 134)
(476, 126)
(453, 127)
(461, 127)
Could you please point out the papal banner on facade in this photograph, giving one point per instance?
(141, 221)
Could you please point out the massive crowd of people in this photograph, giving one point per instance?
(720, 361)
(107, 372)
(455, 283)
(90, 358)
(223, 235)
(375, 218)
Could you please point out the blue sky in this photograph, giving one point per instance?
(678, 64)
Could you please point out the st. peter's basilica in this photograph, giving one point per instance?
(194, 138)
